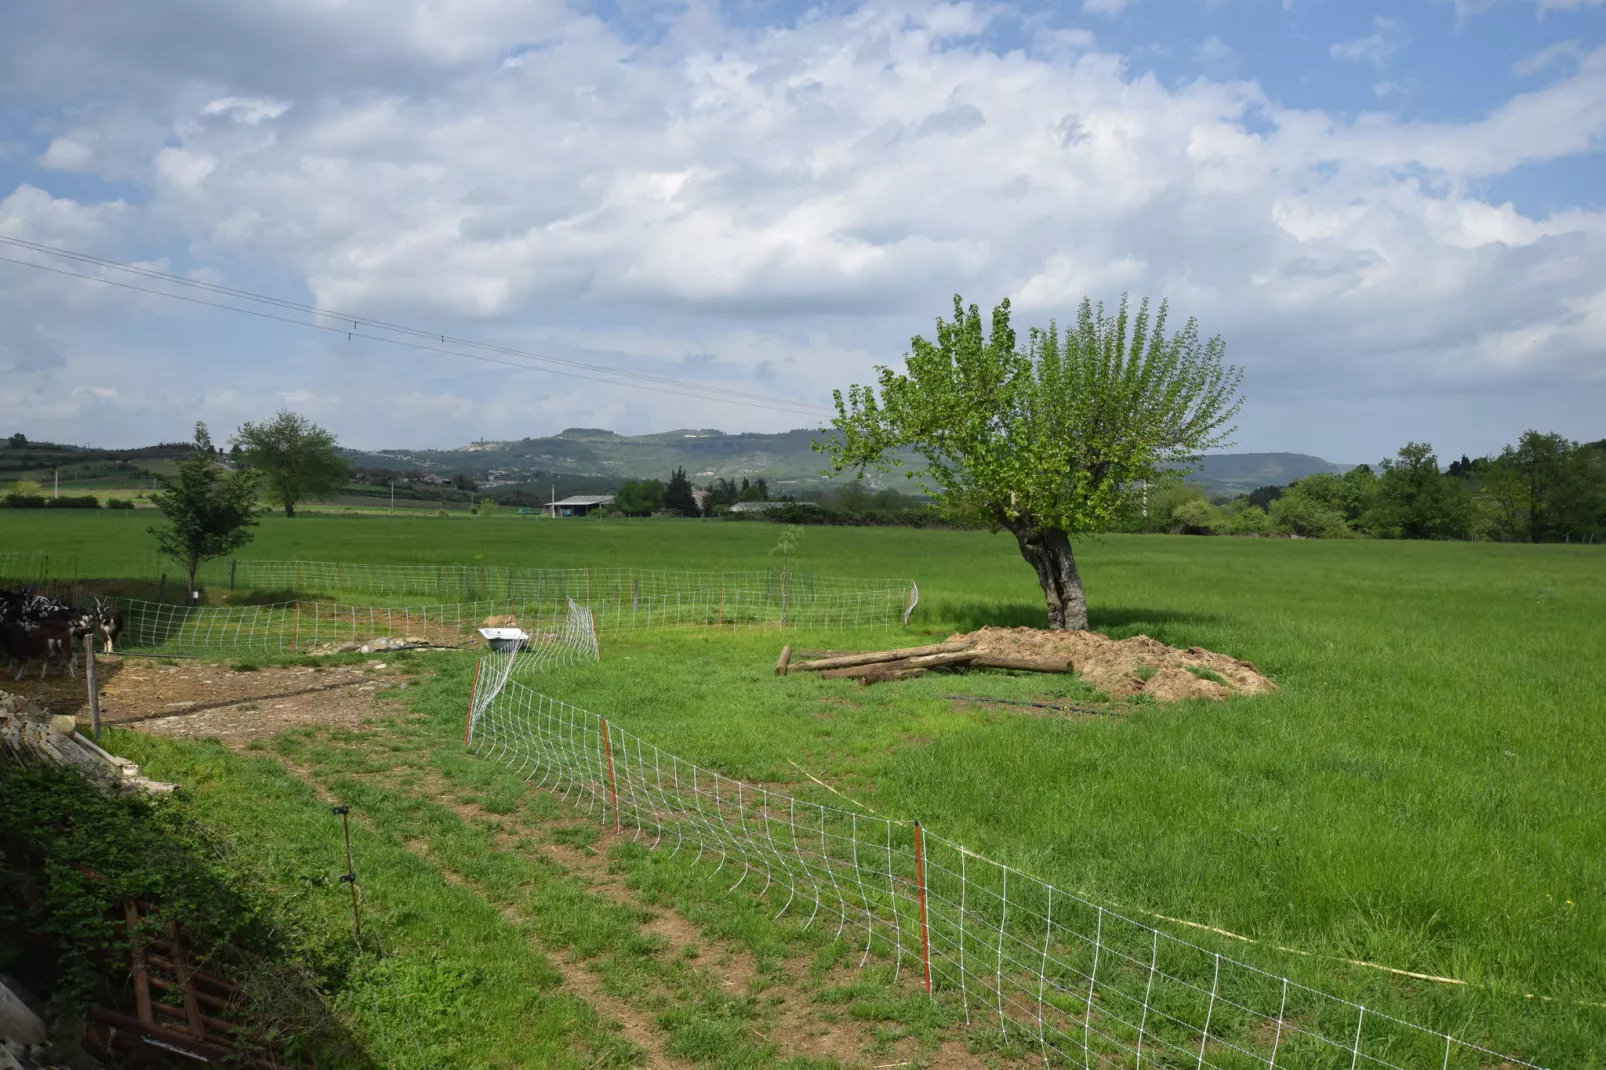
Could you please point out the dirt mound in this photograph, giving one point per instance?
(1122, 668)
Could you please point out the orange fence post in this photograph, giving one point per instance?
(920, 879)
(468, 718)
(613, 792)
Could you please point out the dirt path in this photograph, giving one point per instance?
(241, 709)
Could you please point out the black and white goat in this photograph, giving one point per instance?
(108, 625)
(36, 627)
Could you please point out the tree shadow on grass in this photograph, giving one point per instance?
(1115, 621)
(1118, 622)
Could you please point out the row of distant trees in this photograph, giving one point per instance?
(1544, 488)
(677, 496)
(848, 499)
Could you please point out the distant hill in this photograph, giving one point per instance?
(706, 454)
(78, 469)
(1242, 472)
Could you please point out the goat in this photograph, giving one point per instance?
(108, 625)
(40, 641)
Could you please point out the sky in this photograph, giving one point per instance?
(1394, 214)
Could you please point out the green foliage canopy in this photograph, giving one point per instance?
(639, 497)
(678, 496)
(299, 460)
(1049, 440)
(1057, 434)
(206, 512)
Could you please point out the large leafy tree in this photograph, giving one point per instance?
(206, 512)
(1049, 440)
(639, 497)
(1547, 489)
(1416, 501)
(678, 496)
(299, 460)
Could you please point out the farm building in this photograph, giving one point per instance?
(579, 504)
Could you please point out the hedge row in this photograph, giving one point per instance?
(39, 501)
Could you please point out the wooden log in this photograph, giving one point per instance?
(995, 661)
(870, 657)
(879, 675)
(953, 659)
(784, 661)
(935, 661)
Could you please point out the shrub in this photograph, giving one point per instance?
(1242, 518)
(1196, 517)
(14, 500)
(85, 501)
(119, 503)
(1299, 515)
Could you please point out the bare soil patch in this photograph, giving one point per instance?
(1122, 668)
(205, 699)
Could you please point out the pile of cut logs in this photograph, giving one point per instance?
(877, 666)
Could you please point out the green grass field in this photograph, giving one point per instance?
(1426, 792)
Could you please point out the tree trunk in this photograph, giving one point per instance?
(289, 507)
(1049, 552)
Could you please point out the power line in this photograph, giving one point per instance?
(437, 342)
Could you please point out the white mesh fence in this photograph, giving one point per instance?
(569, 637)
(1084, 984)
(621, 598)
(569, 641)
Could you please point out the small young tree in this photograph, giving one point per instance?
(206, 512)
(678, 496)
(1049, 442)
(786, 547)
(298, 459)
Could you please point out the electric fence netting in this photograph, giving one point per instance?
(1082, 983)
(565, 638)
(622, 599)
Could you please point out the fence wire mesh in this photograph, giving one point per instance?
(621, 598)
(1084, 984)
(565, 637)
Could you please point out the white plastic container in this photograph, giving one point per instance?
(504, 639)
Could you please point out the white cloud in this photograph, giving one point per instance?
(69, 153)
(1531, 65)
(777, 209)
(1375, 48)
(1465, 9)
(184, 168)
(1106, 7)
(1213, 50)
(247, 110)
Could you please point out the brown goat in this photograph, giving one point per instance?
(41, 641)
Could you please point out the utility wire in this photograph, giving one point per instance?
(544, 362)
